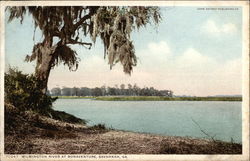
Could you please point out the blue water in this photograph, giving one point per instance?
(175, 118)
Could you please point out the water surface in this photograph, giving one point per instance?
(176, 118)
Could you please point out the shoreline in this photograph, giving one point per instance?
(152, 98)
(31, 133)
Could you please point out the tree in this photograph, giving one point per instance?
(74, 91)
(71, 24)
(103, 88)
(66, 91)
(111, 91)
(55, 91)
(136, 89)
(85, 91)
(96, 91)
(122, 86)
(130, 90)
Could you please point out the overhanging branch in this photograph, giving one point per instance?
(71, 41)
(88, 16)
(81, 21)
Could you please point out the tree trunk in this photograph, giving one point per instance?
(44, 66)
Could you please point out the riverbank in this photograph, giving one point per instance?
(152, 98)
(30, 133)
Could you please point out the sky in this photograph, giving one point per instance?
(191, 52)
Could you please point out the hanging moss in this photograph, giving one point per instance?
(71, 24)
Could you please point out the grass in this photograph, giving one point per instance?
(63, 116)
(213, 147)
(152, 98)
(159, 98)
(74, 97)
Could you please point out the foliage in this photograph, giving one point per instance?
(71, 24)
(22, 91)
(152, 98)
(110, 91)
(160, 98)
(63, 116)
(99, 127)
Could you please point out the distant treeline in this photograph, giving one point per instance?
(159, 98)
(122, 90)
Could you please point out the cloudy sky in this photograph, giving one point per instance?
(192, 52)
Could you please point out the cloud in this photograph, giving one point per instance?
(211, 27)
(193, 61)
(161, 48)
(229, 28)
(153, 54)
(188, 73)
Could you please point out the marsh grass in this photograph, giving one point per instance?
(74, 97)
(212, 147)
(151, 98)
(160, 98)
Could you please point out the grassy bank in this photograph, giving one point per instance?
(158, 98)
(75, 97)
(152, 98)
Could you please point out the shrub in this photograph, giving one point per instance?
(22, 91)
(98, 127)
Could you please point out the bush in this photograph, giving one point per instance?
(98, 127)
(63, 116)
(22, 91)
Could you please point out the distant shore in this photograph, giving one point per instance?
(152, 98)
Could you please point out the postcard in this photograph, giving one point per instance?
(124, 80)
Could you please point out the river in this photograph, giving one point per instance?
(175, 118)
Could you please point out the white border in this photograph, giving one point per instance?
(245, 80)
(2, 66)
(126, 3)
(245, 73)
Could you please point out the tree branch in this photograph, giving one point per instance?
(212, 137)
(71, 41)
(56, 33)
(80, 22)
(84, 18)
